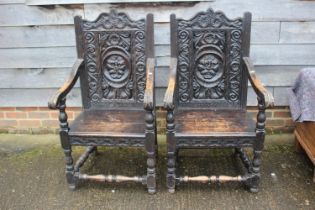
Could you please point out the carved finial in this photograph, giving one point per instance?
(113, 13)
(210, 10)
(113, 20)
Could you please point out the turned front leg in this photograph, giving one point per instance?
(65, 143)
(151, 149)
(258, 147)
(171, 152)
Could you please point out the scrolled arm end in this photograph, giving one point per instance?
(52, 104)
(67, 86)
(148, 100)
(269, 100)
(169, 95)
(261, 92)
(168, 100)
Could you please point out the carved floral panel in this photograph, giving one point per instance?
(209, 58)
(208, 68)
(114, 48)
(116, 68)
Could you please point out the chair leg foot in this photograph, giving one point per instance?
(151, 173)
(151, 191)
(72, 187)
(152, 185)
(69, 169)
(253, 189)
(171, 175)
(254, 181)
(171, 190)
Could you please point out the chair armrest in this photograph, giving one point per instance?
(67, 86)
(148, 99)
(261, 92)
(169, 95)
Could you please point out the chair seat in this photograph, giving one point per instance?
(219, 123)
(109, 123)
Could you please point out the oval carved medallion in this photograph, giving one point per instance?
(116, 68)
(208, 67)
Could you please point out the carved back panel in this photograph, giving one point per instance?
(209, 48)
(114, 50)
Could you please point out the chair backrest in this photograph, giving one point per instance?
(115, 49)
(209, 48)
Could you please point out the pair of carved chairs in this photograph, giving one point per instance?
(205, 99)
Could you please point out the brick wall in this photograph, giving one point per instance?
(33, 120)
(278, 120)
(41, 120)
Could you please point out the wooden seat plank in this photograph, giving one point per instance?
(214, 123)
(109, 123)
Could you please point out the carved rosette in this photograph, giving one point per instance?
(116, 65)
(206, 60)
(115, 57)
(208, 77)
(116, 83)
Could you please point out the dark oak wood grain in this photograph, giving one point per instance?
(207, 94)
(116, 69)
(109, 123)
(170, 91)
(213, 123)
(149, 90)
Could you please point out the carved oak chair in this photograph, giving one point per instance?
(116, 69)
(207, 93)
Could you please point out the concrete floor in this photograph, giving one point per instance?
(32, 177)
